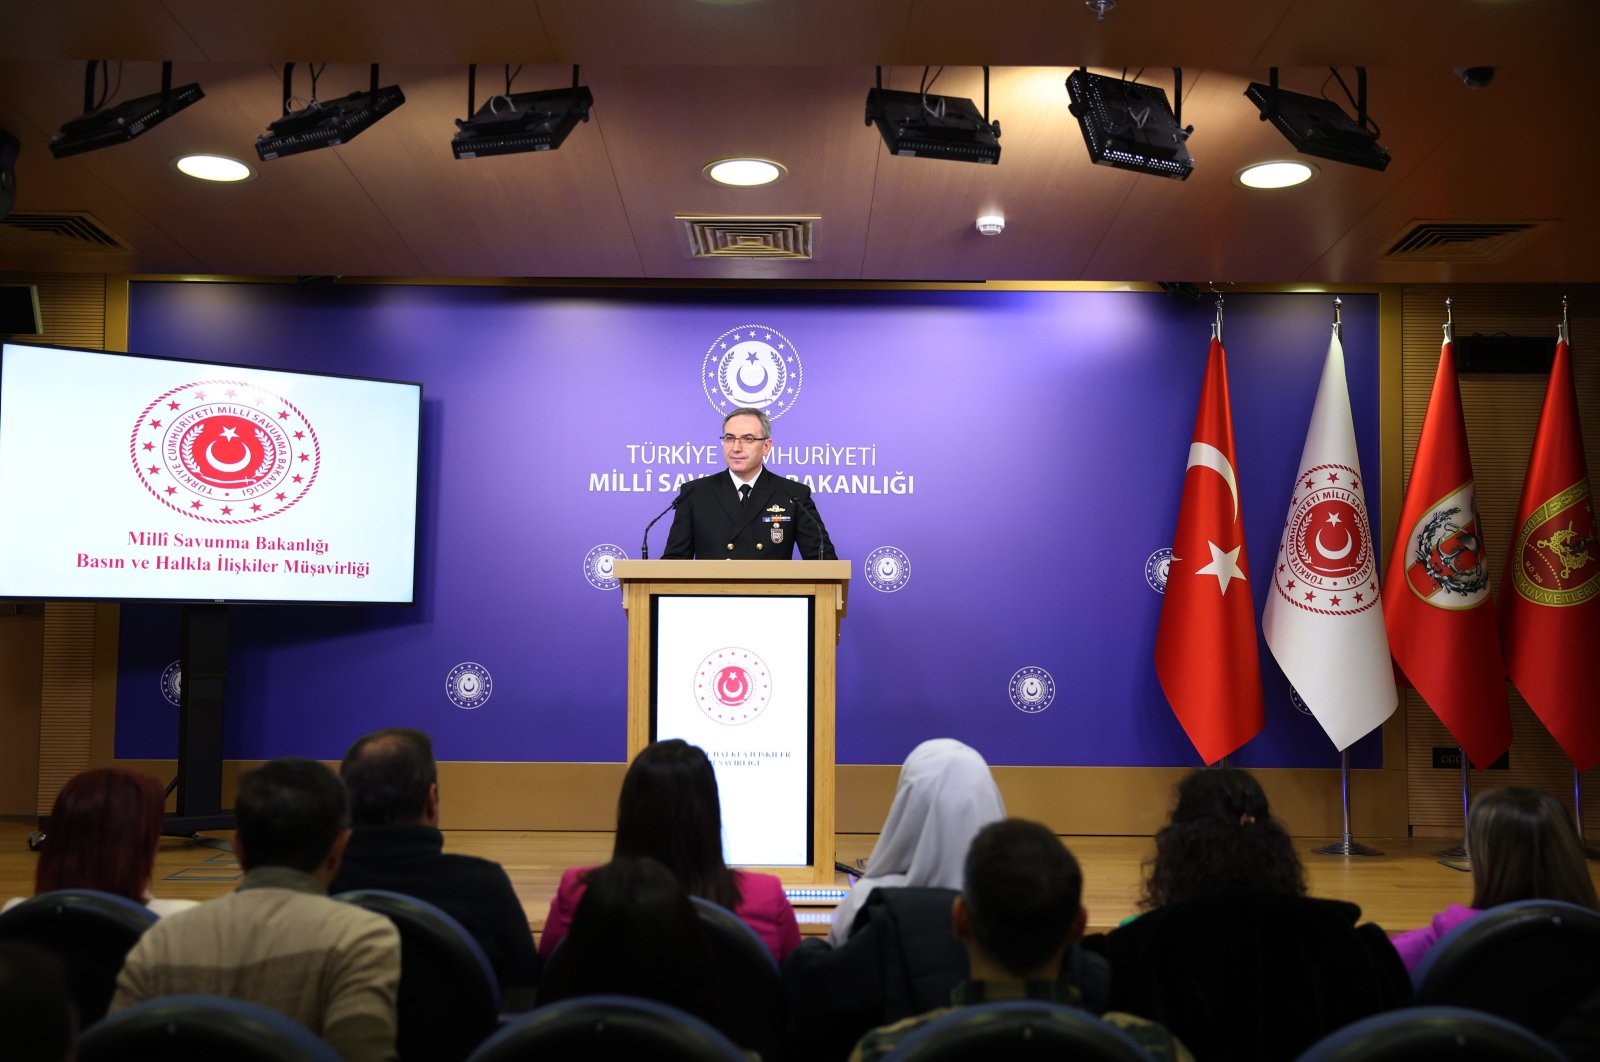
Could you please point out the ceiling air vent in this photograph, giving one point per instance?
(1459, 241)
(63, 232)
(729, 236)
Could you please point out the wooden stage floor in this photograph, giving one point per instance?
(1399, 890)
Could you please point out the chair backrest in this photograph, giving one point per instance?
(749, 990)
(449, 999)
(602, 1028)
(1018, 1029)
(91, 933)
(202, 1029)
(1531, 962)
(1422, 1034)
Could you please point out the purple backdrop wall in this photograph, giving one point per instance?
(1022, 450)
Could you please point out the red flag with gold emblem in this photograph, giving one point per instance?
(1436, 593)
(1550, 596)
(1206, 654)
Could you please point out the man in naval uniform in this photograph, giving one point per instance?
(747, 513)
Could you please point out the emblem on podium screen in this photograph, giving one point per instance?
(597, 565)
(225, 451)
(752, 367)
(172, 683)
(1032, 690)
(732, 686)
(468, 685)
(887, 569)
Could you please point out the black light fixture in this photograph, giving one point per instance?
(509, 124)
(101, 126)
(934, 127)
(1130, 126)
(323, 124)
(1320, 127)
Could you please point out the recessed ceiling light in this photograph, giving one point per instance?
(213, 168)
(745, 173)
(1276, 174)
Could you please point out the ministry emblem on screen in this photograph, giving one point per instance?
(225, 452)
(732, 685)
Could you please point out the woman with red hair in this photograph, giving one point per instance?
(102, 834)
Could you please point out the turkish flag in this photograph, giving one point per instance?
(1436, 592)
(1206, 654)
(1550, 594)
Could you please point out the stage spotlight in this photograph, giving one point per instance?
(1130, 126)
(528, 121)
(1320, 127)
(324, 124)
(101, 126)
(934, 127)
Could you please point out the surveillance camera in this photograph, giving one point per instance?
(1475, 77)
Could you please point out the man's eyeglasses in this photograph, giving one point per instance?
(748, 440)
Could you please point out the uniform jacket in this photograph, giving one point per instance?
(710, 522)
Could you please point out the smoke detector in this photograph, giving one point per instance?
(991, 224)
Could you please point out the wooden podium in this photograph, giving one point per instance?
(648, 586)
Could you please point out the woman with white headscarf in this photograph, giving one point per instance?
(945, 796)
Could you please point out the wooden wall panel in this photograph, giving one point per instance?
(1501, 413)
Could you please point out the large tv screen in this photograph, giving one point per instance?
(125, 477)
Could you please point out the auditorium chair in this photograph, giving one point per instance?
(1420, 1034)
(1531, 962)
(1018, 1029)
(91, 933)
(749, 989)
(606, 1028)
(449, 998)
(197, 1028)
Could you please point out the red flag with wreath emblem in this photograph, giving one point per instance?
(1436, 592)
(1206, 655)
(1550, 595)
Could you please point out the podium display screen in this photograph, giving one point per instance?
(733, 676)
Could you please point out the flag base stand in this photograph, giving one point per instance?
(1455, 851)
(1345, 845)
(1459, 851)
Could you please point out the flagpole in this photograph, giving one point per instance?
(1459, 851)
(1346, 845)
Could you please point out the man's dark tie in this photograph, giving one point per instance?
(744, 493)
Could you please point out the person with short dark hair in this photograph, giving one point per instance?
(393, 782)
(1020, 908)
(102, 834)
(1523, 846)
(670, 811)
(278, 940)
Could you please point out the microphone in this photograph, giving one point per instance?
(815, 518)
(644, 546)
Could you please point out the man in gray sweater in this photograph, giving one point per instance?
(278, 940)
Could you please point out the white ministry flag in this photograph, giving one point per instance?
(1323, 620)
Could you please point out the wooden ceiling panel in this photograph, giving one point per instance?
(95, 29)
(1438, 34)
(664, 125)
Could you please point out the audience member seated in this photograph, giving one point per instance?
(669, 811)
(102, 834)
(903, 959)
(278, 940)
(1231, 954)
(635, 933)
(944, 797)
(393, 784)
(1523, 846)
(37, 1020)
(1020, 908)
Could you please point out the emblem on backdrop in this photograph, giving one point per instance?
(887, 569)
(1444, 556)
(597, 565)
(732, 686)
(1326, 563)
(225, 451)
(754, 367)
(1156, 568)
(1032, 690)
(468, 685)
(172, 683)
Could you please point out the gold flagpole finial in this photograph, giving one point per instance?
(1448, 319)
(1338, 314)
(1563, 311)
(1216, 326)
